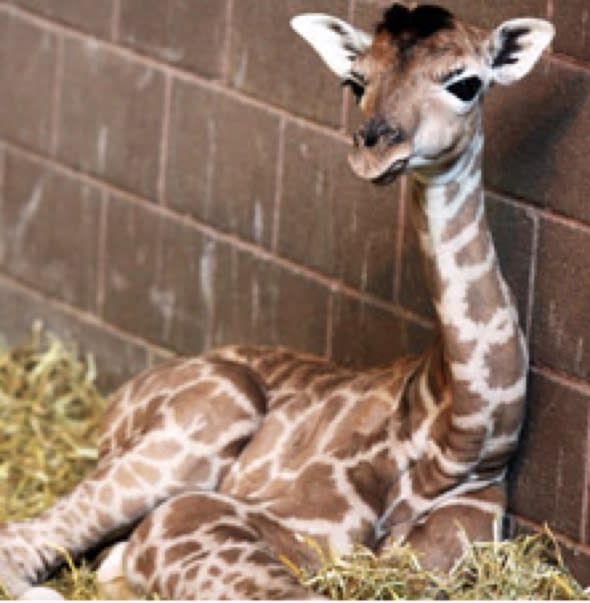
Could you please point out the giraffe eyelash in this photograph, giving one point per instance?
(451, 75)
(357, 87)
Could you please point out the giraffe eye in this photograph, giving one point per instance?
(466, 89)
(356, 88)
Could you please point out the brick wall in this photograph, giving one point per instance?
(173, 177)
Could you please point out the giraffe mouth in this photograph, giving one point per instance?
(381, 164)
(391, 173)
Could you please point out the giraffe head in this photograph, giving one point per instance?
(419, 81)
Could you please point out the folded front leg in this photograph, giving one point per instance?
(472, 517)
(205, 545)
(174, 436)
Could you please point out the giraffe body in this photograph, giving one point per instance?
(219, 465)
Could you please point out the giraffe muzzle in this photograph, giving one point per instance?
(380, 151)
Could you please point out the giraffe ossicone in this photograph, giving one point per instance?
(220, 465)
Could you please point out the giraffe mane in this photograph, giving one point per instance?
(407, 26)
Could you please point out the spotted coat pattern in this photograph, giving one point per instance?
(218, 468)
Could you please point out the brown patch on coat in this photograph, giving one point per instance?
(328, 384)
(270, 362)
(347, 445)
(161, 450)
(484, 298)
(372, 480)
(105, 520)
(230, 555)
(194, 470)
(244, 481)
(105, 494)
(179, 551)
(231, 532)
(307, 373)
(466, 216)
(132, 505)
(145, 416)
(294, 403)
(246, 381)
(304, 440)
(506, 363)
(171, 585)
(188, 512)
(464, 445)
(145, 562)
(281, 540)
(191, 401)
(313, 495)
(248, 588)
(507, 418)
(260, 558)
(147, 472)
(233, 449)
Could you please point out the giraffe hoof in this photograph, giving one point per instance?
(111, 567)
(111, 575)
(40, 593)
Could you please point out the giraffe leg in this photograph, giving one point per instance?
(440, 539)
(177, 437)
(205, 545)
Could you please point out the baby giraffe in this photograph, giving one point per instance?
(221, 466)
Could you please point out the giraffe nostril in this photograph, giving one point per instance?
(371, 139)
(394, 136)
(357, 139)
(378, 129)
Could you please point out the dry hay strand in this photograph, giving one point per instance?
(527, 567)
(50, 409)
(49, 414)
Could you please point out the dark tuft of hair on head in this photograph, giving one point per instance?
(412, 25)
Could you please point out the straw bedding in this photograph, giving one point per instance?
(49, 413)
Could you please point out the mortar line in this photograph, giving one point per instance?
(573, 223)
(214, 85)
(544, 212)
(279, 175)
(257, 251)
(566, 540)
(2, 169)
(566, 59)
(226, 52)
(344, 113)
(344, 97)
(585, 494)
(116, 21)
(561, 378)
(57, 95)
(532, 277)
(329, 344)
(81, 315)
(153, 361)
(247, 100)
(351, 10)
(136, 54)
(164, 140)
(102, 247)
(400, 238)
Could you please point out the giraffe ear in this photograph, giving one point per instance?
(337, 42)
(516, 46)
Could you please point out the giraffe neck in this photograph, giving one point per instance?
(483, 350)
